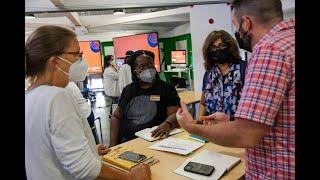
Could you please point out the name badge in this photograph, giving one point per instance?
(155, 98)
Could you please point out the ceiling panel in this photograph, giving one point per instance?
(287, 4)
(38, 6)
(104, 20)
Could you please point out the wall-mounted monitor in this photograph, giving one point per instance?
(178, 57)
(147, 41)
(92, 54)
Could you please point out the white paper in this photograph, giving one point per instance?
(221, 163)
(146, 133)
(176, 145)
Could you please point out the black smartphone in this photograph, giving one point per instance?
(199, 168)
(131, 156)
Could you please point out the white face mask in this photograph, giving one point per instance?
(77, 71)
(148, 75)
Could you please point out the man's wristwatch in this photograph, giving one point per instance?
(170, 125)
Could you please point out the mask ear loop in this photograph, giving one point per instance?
(240, 25)
(240, 28)
(137, 74)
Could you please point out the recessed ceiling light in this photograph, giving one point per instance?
(30, 16)
(118, 11)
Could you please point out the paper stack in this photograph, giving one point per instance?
(146, 133)
(176, 145)
(221, 163)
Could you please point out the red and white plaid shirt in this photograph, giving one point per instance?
(268, 97)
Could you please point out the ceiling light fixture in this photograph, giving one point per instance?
(30, 16)
(118, 11)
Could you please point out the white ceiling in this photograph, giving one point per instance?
(141, 15)
(46, 5)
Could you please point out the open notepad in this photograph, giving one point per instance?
(176, 145)
(221, 163)
(146, 133)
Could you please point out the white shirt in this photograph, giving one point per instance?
(58, 143)
(85, 108)
(125, 77)
(110, 82)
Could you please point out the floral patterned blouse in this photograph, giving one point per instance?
(222, 93)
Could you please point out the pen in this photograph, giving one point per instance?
(150, 162)
(173, 147)
(194, 138)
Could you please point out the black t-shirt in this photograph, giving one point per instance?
(145, 108)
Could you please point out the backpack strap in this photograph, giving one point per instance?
(243, 66)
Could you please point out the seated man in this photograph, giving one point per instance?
(146, 102)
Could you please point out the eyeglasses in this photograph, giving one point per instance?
(215, 48)
(78, 53)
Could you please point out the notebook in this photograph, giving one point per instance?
(221, 162)
(146, 133)
(176, 145)
(112, 159)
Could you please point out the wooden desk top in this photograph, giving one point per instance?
(168, 162)
(190, 97)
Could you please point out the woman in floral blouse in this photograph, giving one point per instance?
(224, 76)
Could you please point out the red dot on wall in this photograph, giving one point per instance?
(211, 21)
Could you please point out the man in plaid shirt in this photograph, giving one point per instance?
(265, 119)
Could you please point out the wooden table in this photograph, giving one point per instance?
(168, 162)
(190, 98)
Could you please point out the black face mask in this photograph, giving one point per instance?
(244, 42)
(220, 56)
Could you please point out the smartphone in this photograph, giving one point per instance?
(131, 156)
(199, 168)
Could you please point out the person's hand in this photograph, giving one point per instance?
(217, 117)
(184, 118)
(199, 121)
(102, 149)
(162, 130)
(206, 121)
(141, 172)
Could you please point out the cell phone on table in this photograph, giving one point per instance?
(199, 168)
(131, 156)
